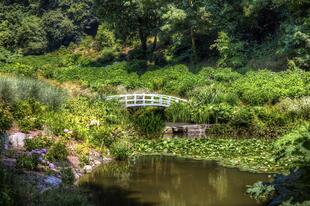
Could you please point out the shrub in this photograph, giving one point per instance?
(120, 149)
(105, 136)
(243, 117)
(6, 56)
(261, 191)
(104, 38)
(257, 88)
(67, 176)
(149, 122)
(231, 52)
(6, 118)
(27, 161)
(295, 144)
(179, 113)
(13, 89)
(57, 152)
(38, 143)
(28, 114)
(298, 108)
(201, 114)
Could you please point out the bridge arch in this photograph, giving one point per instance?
(143, 100)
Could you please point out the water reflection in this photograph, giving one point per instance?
(170, 181)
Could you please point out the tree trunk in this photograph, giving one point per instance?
(194, 52)
(143, 40)
(154, 43)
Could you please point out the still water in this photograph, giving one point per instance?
(170, 181)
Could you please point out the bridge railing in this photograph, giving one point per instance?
(141, 100)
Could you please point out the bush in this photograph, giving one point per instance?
(67, 176)
(149, 122)
(257, 88)
(27, 161)
(261, 191)
(104, 38)
(28, 114)
(57, 152)
(13, 89)
(243, 117)
(179, 113)
(38, 143)
(120, 149)
(6, 56)
(296, 108)
(295, 144)
(6, 118)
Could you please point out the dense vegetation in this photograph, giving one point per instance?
(239, 34)
(243, 65)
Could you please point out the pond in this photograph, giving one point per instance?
(170, 181)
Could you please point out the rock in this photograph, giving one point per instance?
(74, 161)
(52, 181)
(168, 130)
(9, 162)
(97, 162)
(106, 159)
(17, 140)
(94, 122)
(87, 169)
(52, 166)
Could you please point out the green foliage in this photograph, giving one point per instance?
(30, 36)
(295, 145)
(67, 176)
(6, 118)
(149, 122)
(178, 113)
(57, 152)
(260, 191)
(28, 114)
(13, 89)
(121, 149)
(261, 87)
(105, 38)
(289, 203)
(249, 154)
(173, 80)
(38, 143)
(6, 56)
(27, 161)
(230, 52)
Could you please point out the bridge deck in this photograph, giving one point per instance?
(142, 100)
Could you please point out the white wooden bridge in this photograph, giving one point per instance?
(143, 100)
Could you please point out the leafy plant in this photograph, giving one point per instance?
(260, 191)
(296, 145)
(149, 122)
(27, 161)
(6, 118)
(57, 152)
(67, 176)
(38, 143)
(120, 149)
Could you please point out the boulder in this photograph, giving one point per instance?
(87, 169)
(52, 181)
(17, 140)
(74, 161)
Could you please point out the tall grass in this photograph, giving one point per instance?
(13, 89)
